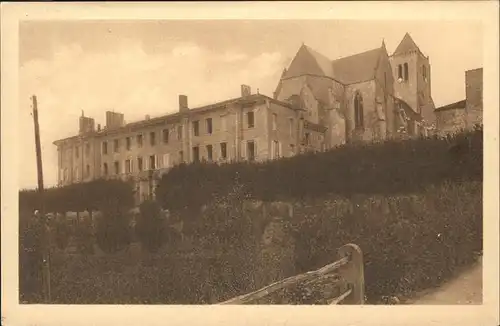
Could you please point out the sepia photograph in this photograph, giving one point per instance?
(275, 162)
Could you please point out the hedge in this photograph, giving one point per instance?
(79, 197)
(392, 167)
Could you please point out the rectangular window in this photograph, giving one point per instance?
(87, 171)
(276, 149)
(116, 145)
(128, 166)
(117, 167)
(165, 136)
(87, 150)
(406, 71)
(209, 152)
(307, 140)
(291, 127)
(105, 169)
(250, 119)
(275, 121)
(77, 152)
(128, 143)
(181, 156)
(400, 72)
(179, 132)
(223, 151)
(209, 126)
(139, 164)
(196, 128)
(196, 154)
(139, 140)
(223, 125)
(166, 160)
(105, 147)
(251, 150)
(152, 162)
(152, 138)
(292, 149)
(424, 72)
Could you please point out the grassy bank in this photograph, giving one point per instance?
(410, 243)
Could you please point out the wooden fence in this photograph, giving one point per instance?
(346, 274)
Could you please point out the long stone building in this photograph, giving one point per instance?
(318, 103)
(252, 127)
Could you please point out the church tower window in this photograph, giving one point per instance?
(406, 71)
(400, 72)
(358, 111)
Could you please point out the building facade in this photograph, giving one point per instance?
(318, 104)
(368, 96)
(252, 127)
(465, 114)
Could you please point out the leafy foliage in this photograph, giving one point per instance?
(113, 231)
(149, 227)
(79, 197)
(393, 167)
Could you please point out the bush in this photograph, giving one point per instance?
(410, 242)
(62, 234)
(389, 168)
(149, 227)
(79, 197)
(113, 231)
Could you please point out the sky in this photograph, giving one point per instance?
(140, 68)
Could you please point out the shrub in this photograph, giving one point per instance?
(149, 227)
(389, 168)
(62, 234)
(113, 232)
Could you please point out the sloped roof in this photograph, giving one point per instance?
(324, 63)
(456, 105)
(406, 45)
(348, 70)
(357, 68)
(307, 61)
(408, 110)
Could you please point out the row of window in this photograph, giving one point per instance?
(152, 162)
(87, 151)
(250, 122)
(403, 72)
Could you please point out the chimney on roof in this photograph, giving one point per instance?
(86, 124)
(114, 120)
(183, 103)
(245, 90)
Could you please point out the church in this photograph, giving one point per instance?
(369, 96)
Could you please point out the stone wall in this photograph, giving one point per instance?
(474, 96)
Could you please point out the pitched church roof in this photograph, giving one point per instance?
(348, 70)
(308, 61)
(406, 45)
(357, 68)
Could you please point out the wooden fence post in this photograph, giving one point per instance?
(353, 273)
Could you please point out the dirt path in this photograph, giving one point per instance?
(466, 288)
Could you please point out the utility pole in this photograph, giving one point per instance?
(45, 235)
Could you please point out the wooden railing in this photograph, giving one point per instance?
(347, 273)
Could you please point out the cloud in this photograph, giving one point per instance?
(127, 80)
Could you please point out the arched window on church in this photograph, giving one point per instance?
(358, 111)
(406, 71)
